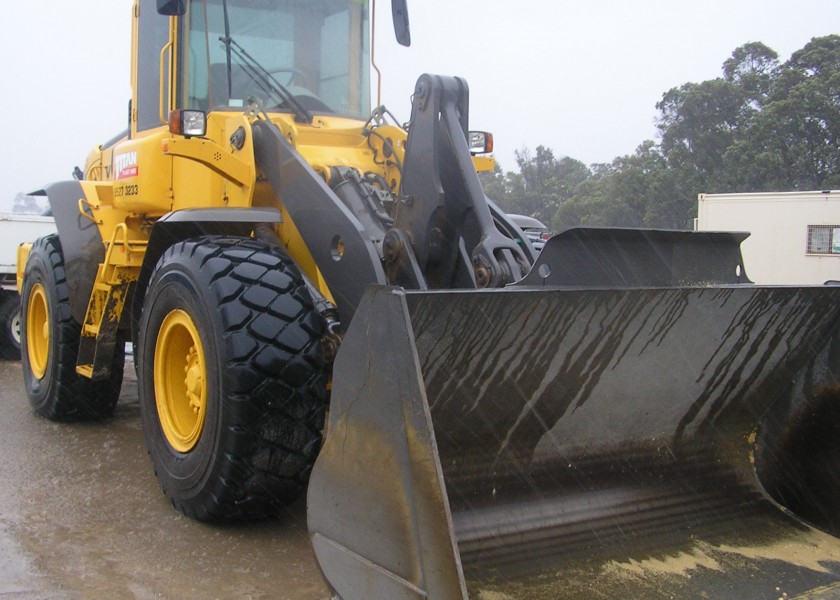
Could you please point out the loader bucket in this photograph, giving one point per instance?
(530, 443)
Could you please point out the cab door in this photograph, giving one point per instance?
(141, 172)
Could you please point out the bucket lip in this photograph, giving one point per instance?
(654, 231)
(548, 289)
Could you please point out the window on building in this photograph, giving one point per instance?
(823, 239)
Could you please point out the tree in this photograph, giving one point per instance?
(542, 184)
(637, 190)
(752, 67)
(800, 126)
(698, 122)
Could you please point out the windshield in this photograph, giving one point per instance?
(317, 49)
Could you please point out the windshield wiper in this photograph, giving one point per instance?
(259, 74)
(266, 81)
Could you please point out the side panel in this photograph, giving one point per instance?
(142, 175)
(377, 511)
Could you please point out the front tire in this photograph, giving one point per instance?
(232, 388)
(50, 344)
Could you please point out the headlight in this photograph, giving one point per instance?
(481, 142)
(189, 123)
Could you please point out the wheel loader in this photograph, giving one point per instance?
(322, 299)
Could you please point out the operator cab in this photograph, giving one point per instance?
(314, 52)
(298, 56)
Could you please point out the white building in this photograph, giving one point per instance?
(795, 236)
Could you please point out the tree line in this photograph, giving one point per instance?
(764, 125)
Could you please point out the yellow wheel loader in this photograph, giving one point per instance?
(320, 298)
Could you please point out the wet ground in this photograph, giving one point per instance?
(81, 516)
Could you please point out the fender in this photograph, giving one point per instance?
(81, 242)
(189, 223)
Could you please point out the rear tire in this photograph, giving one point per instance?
(232, 387)
(9, 325)
(50, 344)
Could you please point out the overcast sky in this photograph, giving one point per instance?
(582, 77)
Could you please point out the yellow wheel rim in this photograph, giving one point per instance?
(180, 374)
(38, 331)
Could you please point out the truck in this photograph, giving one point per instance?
(794, 236)
(322, 300)
(24, 218)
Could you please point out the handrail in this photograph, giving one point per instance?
(83, 204)
(164, 97)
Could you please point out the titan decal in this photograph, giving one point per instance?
(125, 165)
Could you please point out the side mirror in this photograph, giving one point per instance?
(399, 9)
(172, 8)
